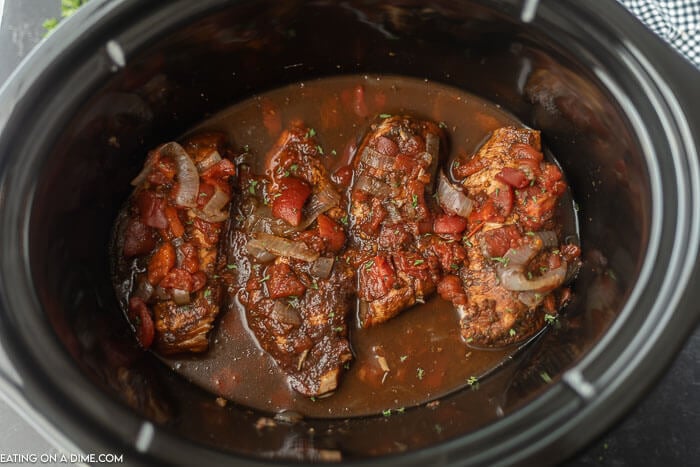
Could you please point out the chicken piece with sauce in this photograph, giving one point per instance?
(287, 233)
(399, 261)
(166, 244)
(516, 258)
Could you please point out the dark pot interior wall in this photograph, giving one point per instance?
(174, 83)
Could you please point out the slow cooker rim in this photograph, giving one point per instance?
(26, 363)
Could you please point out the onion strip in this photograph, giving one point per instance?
(187, 175)
(280, 246)
(452, 199)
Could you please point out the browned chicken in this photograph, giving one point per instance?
(296, 293)
(516, 257)
(167, 240)
(392, 216)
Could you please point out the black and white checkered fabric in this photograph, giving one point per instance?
(676, 21)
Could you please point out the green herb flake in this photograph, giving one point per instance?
(294, 167)
(550, 318)
(384, 115)
(312, 398)
(346, 365)
(420, 372)
(251, 187)
(334, 152)
(418, 262)
(438, 428)
(403, 358)
(369, 264)
(400, 410)
(545, 377)
(311, 133)
(512, 332)
(500, 259)
(331, 315)
(344, 219)
(386, 413)
(454, 267)
(339, 329)
(202, 195)
(442, 125)
(314, 285)
(530, 234)
(266, 278)
(414, 201)
(529, 275)
(473, 381)
(319, 149)
(470, 340)
(611, 274)
(207, 294)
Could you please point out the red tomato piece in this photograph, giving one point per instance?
(377, 277)
(449, 224)
(141, 319)
(139, 239)
(288, 202)
(513, 177)
(178, 278)
(450, 289)
(499, 241)
(152, 209)
(331, 233)
(282, 282)
(162, 261)
(525, 151)
(386, 146)
(176, 227)
(343, 176)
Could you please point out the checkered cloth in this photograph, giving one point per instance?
(676, 21)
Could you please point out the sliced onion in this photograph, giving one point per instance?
(516, 280)
(209, 161)
(280, 246)
(452, 199)
(322, 267)
(284, 313)
(373, 186)
(518, 258)
(213, 218)
(216, 204)
(261, 255)
(187, 175)
(261, 220)
(319, 203)
(159, 293)
(180, 296)
(376, 159)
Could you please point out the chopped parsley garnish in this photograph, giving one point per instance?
(611, 274)
(369, 264)
(251, 188)
(442, 125)
(438, 428)
(333, 152)
(530, 234)
(512, 332)
(469, 340)
(414, 201)
(550, 318)
(403, 358)
(454, 266)
(500, 259)
(331, 315)
(386, 412)
(344, 219)
(314, 285)
(207, 294)
(400, 410)
(266, 278)
(545, 377)
(311, 133)
(294, 167)
(319, 149)
(529, 275)
(312, 398)
(338, 329)
(473, 381)
(418, 262)
(384, 115)
(420, 372)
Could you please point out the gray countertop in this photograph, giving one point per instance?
(664, 428)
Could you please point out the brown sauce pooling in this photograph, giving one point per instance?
(417, 356)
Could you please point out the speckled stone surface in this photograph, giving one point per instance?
(662, 430)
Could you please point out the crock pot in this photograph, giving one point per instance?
(614, 103)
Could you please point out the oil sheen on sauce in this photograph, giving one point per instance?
(424, 356)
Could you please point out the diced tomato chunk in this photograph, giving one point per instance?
(176, 227)
(450, 289)
(463, 169)
(377, 277)
(449, 224)
(141, 319)
(139, 239)
(525, 151)
(152, 209)
(288, 202)
(499, 241)
(222, 170)
(282, 282)
(162, 261)
(178, 278)
(513, 177)
(331, 233)
(343, 176)
(206, 191)
(386, 146)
